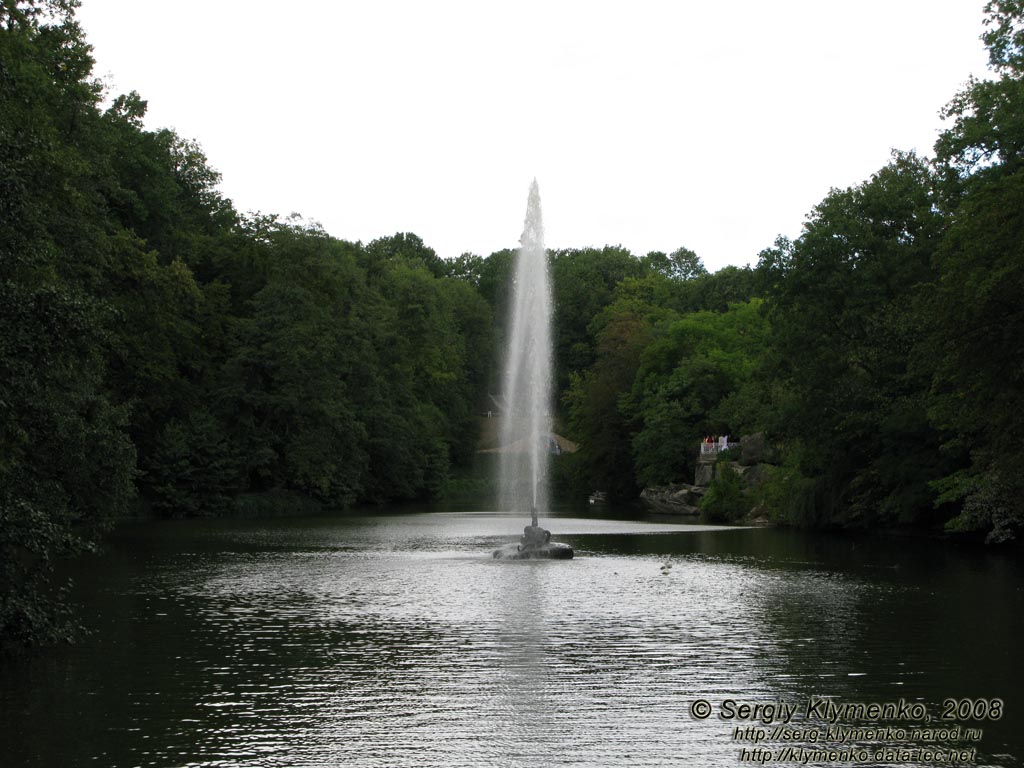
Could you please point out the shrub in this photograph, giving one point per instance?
(725, 500)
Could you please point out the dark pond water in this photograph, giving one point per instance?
(397, 641)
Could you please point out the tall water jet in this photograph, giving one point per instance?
(526, 426)
(527, 381)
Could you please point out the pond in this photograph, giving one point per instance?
(396, 640)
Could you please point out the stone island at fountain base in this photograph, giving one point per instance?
(553, 550)
(536, 544)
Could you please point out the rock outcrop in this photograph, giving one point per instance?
(705, 471)
(684, 499)
(675, 498)
(752, 449)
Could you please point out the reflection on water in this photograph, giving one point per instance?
(398, 641)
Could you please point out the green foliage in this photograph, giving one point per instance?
(194, 470)
(405, 248)
(717, 291)
(298, 359)
(681, 264)
(896, 323)
(989, 506)
(725, 500)
(66, 465)
(695, 379)
(976, 344)
(584, 283)
(570, 478)
(975, 347)
(155, 341)
(846, 322)
(887, 353)
(987, 136)
(66, 468)
(789, 497)
(595, 418)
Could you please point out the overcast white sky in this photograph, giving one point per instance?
(654, 125)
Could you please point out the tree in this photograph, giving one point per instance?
(595, 419)
(66, 468)
(845, 307)
(66, 465)
(467, 267)
(405, 247)
(303, 359)
(583, 282)
(694, 379)
(987, 135)
(153, 341)
(975, 348)
(681, 264)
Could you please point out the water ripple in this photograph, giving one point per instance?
(314, 646)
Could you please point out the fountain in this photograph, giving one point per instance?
(526, 428)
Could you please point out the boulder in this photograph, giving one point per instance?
(752, 449)
(705, 473)
(687, 494)
(753, 475)
(673, 499)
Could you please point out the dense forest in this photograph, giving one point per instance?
(163, 353)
